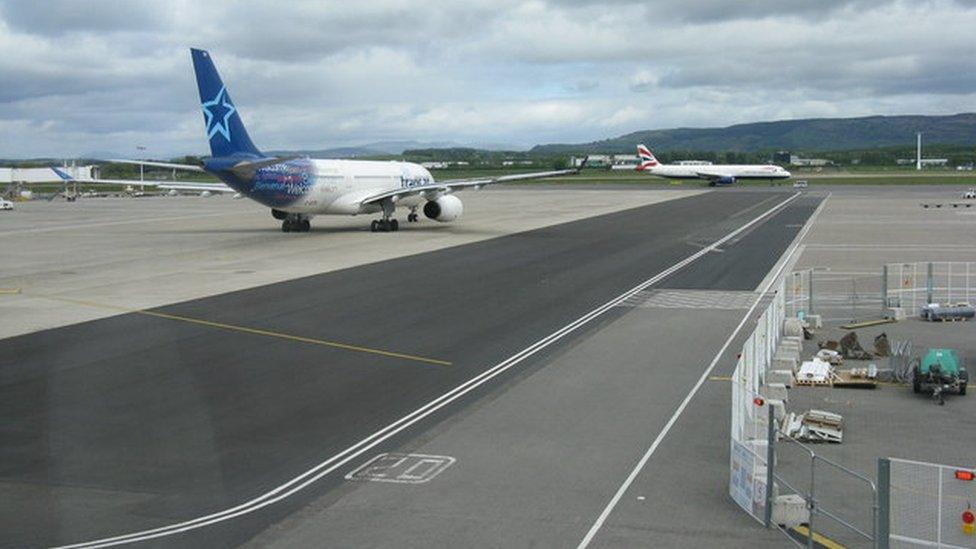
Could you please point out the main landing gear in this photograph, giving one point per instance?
(290, 225)
(412, 217)
(387, 224)
(384, 226)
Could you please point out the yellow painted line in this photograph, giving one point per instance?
(247, 330)
(719, 378)
(9, 291)
(822, 540)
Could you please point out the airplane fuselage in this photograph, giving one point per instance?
(730, 171)
(328, 187)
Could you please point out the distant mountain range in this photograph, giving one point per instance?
(805, 135)
(812, 134)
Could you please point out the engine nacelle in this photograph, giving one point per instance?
(278, 214)
(445, 209)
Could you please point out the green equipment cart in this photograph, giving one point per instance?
(940, 372)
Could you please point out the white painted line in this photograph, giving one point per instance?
(352, 452)
(919, 247)
(694, 390)
(113, 223)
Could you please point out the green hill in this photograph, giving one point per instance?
(813, 134)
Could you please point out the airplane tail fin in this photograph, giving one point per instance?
(223, 123)
(62, 174)
(647, 159)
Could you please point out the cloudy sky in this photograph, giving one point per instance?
(100, 75)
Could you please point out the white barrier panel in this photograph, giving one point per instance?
(748, 444)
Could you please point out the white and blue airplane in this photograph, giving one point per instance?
(298, 189)
(715, 174)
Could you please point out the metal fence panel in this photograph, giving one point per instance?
(912, 285)
(926, 503)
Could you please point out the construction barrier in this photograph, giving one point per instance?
(927, 504)
(749, 439)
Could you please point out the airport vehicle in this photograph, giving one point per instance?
(800, 184)
(970, 194)
(296, 189)
(715, 174)
(938, 372)
(6, 204)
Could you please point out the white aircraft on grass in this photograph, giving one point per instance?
(716, 174)
(297, 189)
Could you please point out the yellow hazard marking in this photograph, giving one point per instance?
(9, 291)
(248, 330)
(822, 540)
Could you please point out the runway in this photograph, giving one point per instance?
(146, 419)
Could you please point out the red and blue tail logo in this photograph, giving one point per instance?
(647, 159)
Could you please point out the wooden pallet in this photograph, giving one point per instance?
(845, 379)
(814, 382)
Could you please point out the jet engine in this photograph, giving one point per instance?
(445, 209)
(278, 214)
(725, 180)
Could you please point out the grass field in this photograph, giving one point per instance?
(861, 177)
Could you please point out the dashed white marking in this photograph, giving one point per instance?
(690, 299)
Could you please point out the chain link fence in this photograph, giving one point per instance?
(927, 504)
(765, 463)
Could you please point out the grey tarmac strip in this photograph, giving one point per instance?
(539, 457)
(138, 421)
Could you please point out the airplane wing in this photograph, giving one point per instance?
(165, 185)
(439, 188)
(187, 167)
(711, 176)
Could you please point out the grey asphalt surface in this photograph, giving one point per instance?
(135, 421)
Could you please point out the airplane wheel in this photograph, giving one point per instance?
(286, 226)
(374, 226)
(306, 225)
(394, 225)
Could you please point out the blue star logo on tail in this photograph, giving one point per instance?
(218, 112)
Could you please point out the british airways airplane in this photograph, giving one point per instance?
(715, 174)
(297, 189)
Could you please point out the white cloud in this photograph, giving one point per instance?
(101, 75)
